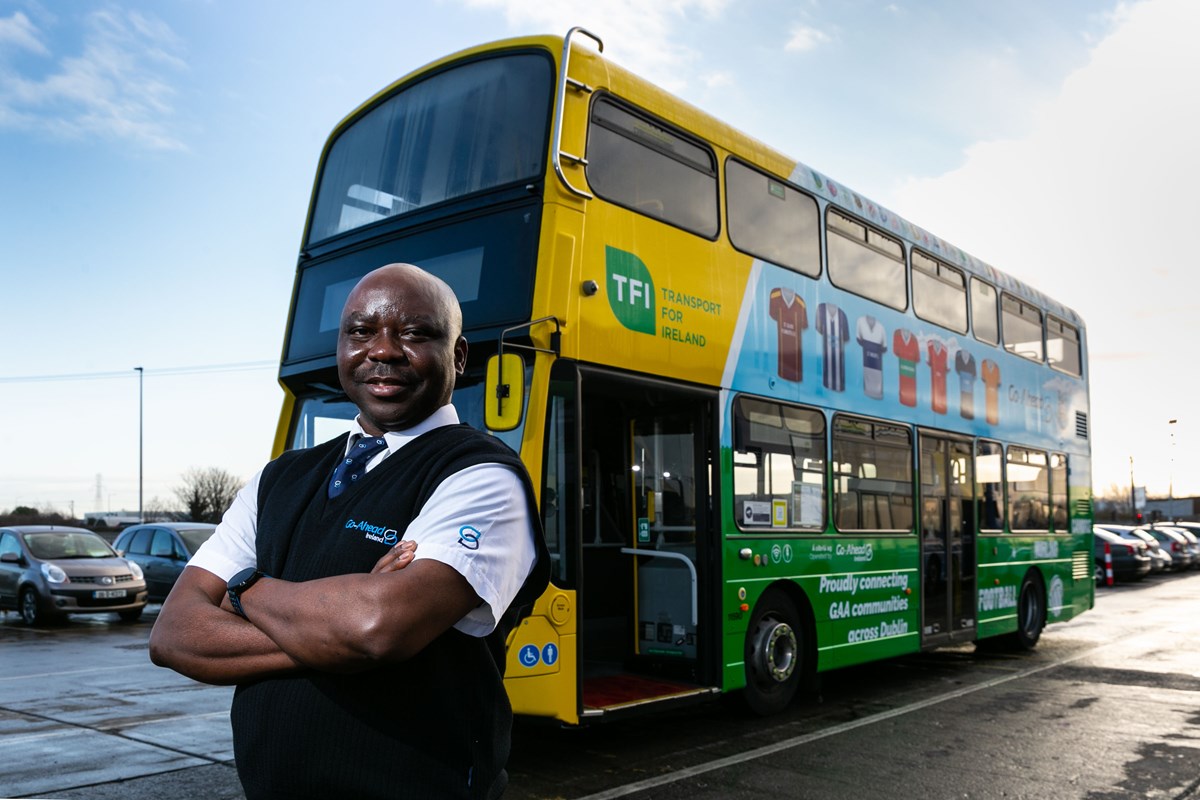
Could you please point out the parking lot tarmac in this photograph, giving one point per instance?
(1108, 707)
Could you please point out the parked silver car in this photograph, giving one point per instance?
(1162, 561)
(1174, 543)
(1190, 531)
(49, 571)
(1119, 558)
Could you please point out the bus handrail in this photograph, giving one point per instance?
(560, 106)
(635, 551)
(555, 337)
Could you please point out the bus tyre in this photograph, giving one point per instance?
(774, 659)
(1031, 614)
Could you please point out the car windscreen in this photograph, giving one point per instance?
(194, 537)
(52, 545)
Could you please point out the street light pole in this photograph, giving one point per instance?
(141, 379)
(1171, 473)
(1132, 493)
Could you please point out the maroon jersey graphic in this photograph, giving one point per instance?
(790, 318)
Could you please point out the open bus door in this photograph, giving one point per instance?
(948, 563)
(645, 464)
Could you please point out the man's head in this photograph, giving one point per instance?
(400, 347)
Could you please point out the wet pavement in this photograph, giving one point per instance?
(1107, 707)
(81, 707)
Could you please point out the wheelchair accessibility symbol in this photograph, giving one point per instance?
(529, 656)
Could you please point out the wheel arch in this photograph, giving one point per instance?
(808, 622)
(1039, 577)
(1021, 639)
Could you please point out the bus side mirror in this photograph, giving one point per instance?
(504, 392)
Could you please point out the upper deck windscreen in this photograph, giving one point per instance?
(476, 126)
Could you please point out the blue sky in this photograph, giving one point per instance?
(156, 160)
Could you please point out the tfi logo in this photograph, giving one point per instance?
(630, 290)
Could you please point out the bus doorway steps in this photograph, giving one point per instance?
(612, 692)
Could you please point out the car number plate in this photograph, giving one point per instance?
(108, 594)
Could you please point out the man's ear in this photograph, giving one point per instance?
(460, 355)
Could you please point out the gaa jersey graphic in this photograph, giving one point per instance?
(990, 372)
(937, 375)
(832, 324)
(791, 318)
(872, 338)
(964, 365)
(907, 348)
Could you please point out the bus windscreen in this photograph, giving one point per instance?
(476, 126)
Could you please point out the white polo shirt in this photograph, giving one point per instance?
(488, 497)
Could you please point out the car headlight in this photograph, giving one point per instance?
(53, 573)
(135, 569)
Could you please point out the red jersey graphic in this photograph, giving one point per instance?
(937, 374)
(788, 312)
(990, 372)
(908, 350)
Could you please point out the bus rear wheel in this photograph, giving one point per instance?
(1031, 614)
(774, 654)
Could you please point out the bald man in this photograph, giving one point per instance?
(359, 593)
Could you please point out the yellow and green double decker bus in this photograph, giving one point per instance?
(775, 428)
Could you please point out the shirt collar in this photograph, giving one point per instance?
(446, 415)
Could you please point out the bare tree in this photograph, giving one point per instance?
(158, 510)
(206, 492)
(1113, 503)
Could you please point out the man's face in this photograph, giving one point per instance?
(399, 351)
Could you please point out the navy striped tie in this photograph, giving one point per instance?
(354, 465)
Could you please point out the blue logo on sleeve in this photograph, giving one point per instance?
(469, 537)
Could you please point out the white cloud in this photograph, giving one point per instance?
(18, 31)
(717, 80)
(1096, 207)
(116, 88)
(638, 35)
(805, 39)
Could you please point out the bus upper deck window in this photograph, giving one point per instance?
(475, 126)
(984, 314)
(939, 292)
(771, 220)
(1062, 346)
(866, 261)
(1022, 328)
(641, 164)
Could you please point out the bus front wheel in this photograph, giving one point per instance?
(774, 655)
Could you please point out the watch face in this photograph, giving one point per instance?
(244, 578)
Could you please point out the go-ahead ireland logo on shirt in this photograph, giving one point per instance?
(375, 533)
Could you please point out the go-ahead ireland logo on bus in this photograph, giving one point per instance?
(630, 290)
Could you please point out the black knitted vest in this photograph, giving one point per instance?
(435, 726)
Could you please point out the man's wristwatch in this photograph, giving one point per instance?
(240, 583)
